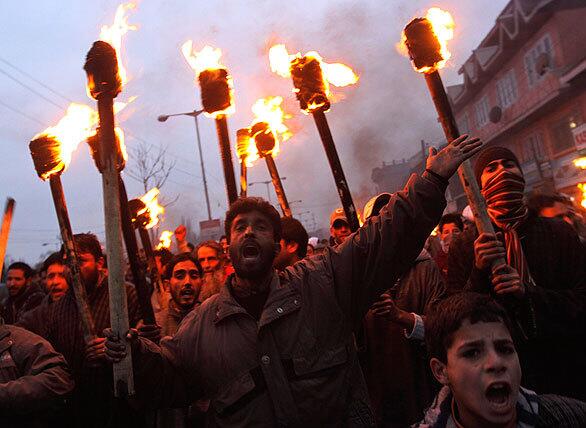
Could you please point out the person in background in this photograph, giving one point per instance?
(210, 255)
(339, 227)
(473, 355)
(293, 243)
(395, 365)
(550, 205)
(542, 279)
(23, 294)
(449, 227)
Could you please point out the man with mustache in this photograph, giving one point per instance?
(542, 283)
(182, 276)
(278, 349)
(210, 256)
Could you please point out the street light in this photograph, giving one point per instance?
(266, 183)
(194, 114)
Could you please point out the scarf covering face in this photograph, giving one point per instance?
(504, 197)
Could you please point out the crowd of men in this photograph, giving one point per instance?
(407, 321)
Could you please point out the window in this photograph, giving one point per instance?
(463, 125)
(481, 110)
(506, 90)
(539, 60)
(561, 132)
(533, 148)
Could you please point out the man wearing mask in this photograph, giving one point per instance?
(449, 227)
(278, 349)
(541, 283)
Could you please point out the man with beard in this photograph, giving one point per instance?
(92, 403)
(183, 278)
(293, 243)
(23, 294)
(210, 256)
(542, 283)
(278, 349)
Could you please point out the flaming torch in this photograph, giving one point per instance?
(165, 240)
(426, 41)
(217, 98)
(51, 151)
(242, 149)
(105, 77)
(5, 229)
(312, 78)
(145, 213)
(266, 131)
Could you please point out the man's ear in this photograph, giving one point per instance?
(439, 371)
(166, 285)
(100, 263)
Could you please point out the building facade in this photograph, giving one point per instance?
(525, 88)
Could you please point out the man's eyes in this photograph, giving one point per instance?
(471, 353)
(506, 349)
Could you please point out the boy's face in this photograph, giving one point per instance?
(483, 373)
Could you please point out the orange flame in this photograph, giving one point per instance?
(269, 110)
(165, 240)
(582, 187)
(337, 74)
(443, 26)
(580, 162)
(152, 207)
(208, 59)
(113, 35)
(76, 126)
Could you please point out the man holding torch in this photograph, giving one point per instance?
(278, 349)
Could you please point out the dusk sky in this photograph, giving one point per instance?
(383, 117)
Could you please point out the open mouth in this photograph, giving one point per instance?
(186, 292)
(498, 394)
(250, 250)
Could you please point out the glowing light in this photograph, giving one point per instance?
(113, 35)
(165, 240)
(152, 207)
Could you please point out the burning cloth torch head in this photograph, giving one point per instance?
(45, 152)
(215, 90)
(137, 206)
(263, 138)
(101, 67)
(424, 48)
(310, 86)
(94, 143)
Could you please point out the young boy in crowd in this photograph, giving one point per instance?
(473, 356)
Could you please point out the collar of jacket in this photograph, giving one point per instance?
(5, 340)
(282, 300)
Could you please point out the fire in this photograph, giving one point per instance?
(208, 59)
(152, 207)
(580, 162)
(246, 149)
(337, 74)
(165, 240)
(442, 25)
(269, 110)
(76, 126)
(582, 187)
(113, 35)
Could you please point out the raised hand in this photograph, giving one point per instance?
(487, 248)
(445, 162)
(115, 349)
(181, 233)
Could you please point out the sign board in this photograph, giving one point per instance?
(210, 230)
(580, 136)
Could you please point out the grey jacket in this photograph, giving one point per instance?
(297, 365)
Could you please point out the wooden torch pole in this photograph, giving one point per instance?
(5, 231)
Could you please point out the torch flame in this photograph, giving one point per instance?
(152, 207)
(208, 59)
(165, 240)
(580, 162)
(582, 187)
(336, 74)
(269, 110)
(113, 35)
(76, 126)
(443, 26)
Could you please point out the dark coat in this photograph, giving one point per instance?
(298, 364)
(34, 378)
(557, 263)
(14, 307)
(396, 368)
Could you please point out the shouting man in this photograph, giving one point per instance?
(278, 349)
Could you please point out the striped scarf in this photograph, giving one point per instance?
(504, 198)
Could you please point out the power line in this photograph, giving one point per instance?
(34, 91)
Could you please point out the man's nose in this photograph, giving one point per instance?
(249, 230)
(494, 362)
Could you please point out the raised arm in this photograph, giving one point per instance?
(387, 244)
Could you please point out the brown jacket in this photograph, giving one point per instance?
(298, 364)
(33, 378)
